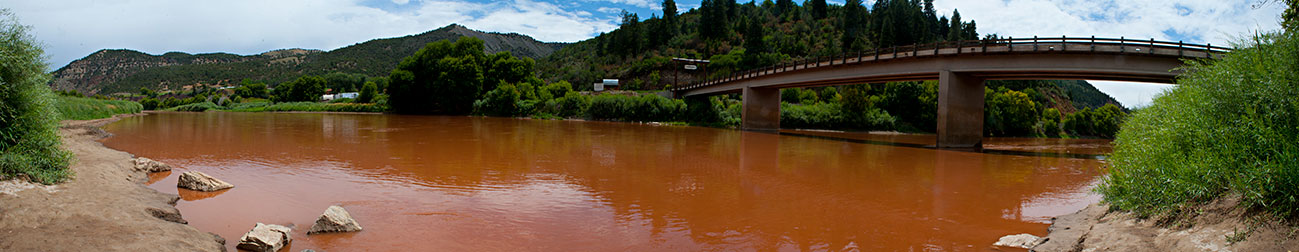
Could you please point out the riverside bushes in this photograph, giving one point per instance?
(29, 139)
(1230, 127)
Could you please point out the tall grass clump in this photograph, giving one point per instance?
(29, 139)
(1231, 126)
(77, 108)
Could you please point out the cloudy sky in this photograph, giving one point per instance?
(72, 29)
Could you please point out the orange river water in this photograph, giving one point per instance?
(437, 183)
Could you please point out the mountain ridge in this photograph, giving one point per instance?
(126, 70)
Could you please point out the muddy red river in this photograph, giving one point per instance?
(433, 183)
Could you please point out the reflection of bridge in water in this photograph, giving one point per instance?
(960, 68)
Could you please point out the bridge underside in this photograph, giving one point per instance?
(961, 83)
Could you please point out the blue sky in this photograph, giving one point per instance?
(71, 29)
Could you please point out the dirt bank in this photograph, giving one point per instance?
(1217, 226)
(104, 207)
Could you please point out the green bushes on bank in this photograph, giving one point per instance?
(29, 139)
(1231, 126)
(306, 107)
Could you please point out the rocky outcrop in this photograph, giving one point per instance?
(1019, 241)
(335, 219)
(265, 238)
(150, 166)
(199, 181)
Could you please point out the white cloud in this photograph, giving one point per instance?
(74, 29)
(648, 4)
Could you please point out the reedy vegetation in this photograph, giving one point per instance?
(29, 140)
(1231, 126)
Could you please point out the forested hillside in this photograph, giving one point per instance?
(121, 70)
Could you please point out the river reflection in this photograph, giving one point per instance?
(493, 184)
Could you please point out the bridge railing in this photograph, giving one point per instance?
(1061, 44)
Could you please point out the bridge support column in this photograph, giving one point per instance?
(960, 110)
(761, 109)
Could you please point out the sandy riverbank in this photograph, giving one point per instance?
(1211, 227)
(104, 207)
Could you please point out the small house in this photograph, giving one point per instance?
(611, 84)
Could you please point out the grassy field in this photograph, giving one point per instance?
(77, 108)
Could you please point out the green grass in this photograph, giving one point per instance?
(77, 108)
(1231, 127)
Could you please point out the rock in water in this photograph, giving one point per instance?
(1019, 241)
(335, 219)
(265, 238)
(201, 182)
(150, 166)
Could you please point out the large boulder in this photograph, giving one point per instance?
(265, 238)
(335, 219)
(199, 181)
(1019, 241)
(150, 166)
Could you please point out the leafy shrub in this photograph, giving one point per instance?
(368, 92)
(149, 103)
(503, 101)
(818, 115)
(1231, 126)
(29, 139)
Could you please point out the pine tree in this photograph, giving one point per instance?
(818, 9)
(954, 32)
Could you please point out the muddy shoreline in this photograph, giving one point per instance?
(104, 207)
(1220, 225)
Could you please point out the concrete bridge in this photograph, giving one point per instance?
(960, 68)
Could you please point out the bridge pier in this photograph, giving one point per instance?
(960, 110)
(761, 109)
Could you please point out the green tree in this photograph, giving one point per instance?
(501, 101)
(149, 103)
(506, 68)
(146, 92)
(446, 77)
(250, 89)
(1010, 113)
(853, 25)
(670, 16)
(818, 9)
(304, 89)
(368, 92)
(955, 30)
(1290, 19)
(29, 139)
